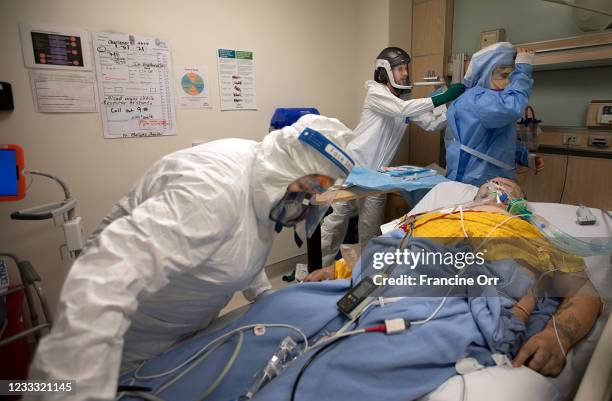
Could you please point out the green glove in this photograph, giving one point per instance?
(452, 93)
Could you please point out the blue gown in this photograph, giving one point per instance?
(483, 121)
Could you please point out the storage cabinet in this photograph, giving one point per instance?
(431, 46)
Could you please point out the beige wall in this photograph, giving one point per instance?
(400, 24)
(372, 36)
(380, 23)
(315, 53)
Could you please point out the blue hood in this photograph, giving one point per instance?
(485, 61)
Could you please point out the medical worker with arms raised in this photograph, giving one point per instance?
(197, 227)
(481, 140)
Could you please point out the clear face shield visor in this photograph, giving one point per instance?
(320, 205)
(500, 76)
(309, 198)
(380, 63)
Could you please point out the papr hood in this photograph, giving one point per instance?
(485, 61)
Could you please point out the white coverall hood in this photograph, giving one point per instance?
(283, 158)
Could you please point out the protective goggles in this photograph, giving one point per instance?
(302, 205)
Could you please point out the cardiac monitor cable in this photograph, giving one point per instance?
(201, 355)
(137, 375)
(197, 361)
(389, 327)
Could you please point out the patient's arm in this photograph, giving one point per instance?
(574, 319)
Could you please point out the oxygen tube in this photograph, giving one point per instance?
(558, 237)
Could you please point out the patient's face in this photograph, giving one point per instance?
(511, 187)
(506, 185)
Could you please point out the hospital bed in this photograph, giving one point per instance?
(501, 383)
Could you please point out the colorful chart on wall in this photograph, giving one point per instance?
(193, 88)
(192, 84)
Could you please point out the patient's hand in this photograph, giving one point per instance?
(324, 273)
(574, 319)
(542, 353)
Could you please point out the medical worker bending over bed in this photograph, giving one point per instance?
(196, 228)
(499, 218)
(387, 110)
(481, 141)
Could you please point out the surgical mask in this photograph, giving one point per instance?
(571, 244)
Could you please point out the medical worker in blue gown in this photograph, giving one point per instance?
(481, 140)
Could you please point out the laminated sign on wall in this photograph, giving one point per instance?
(236, 79)
(135, 85)
(59, 63)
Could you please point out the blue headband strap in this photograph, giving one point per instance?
(328, 149)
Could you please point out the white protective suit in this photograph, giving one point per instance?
(173, 251)
(383, 122)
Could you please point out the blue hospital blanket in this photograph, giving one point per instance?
(412, 190)
(363, 367)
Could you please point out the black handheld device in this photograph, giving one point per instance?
(354, 300)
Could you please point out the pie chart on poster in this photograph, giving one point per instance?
(192, 84)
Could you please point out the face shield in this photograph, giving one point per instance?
(309, 198)
(485, 60)
(381, 63)
(500, 77)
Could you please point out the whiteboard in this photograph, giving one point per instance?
(134, 75)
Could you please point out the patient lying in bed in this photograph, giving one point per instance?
(517, 238)
(483, 327)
